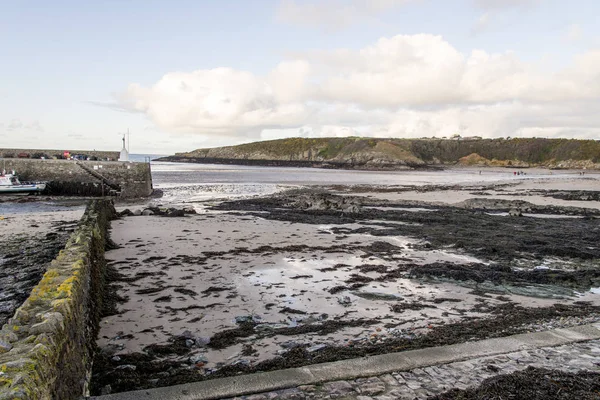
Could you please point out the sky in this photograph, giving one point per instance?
(188, 74)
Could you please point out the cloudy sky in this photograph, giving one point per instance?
(185, 74)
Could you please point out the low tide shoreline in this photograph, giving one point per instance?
(334, 272)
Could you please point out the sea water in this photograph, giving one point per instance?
(188, 182)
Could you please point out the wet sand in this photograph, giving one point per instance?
(279, 281)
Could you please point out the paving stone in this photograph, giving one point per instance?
(423, 393)
(292, 394)
(389, 380)
(413, 384)
(424, 382)
(372, 387)
(338, 388)
(398, 393)
(399, 378)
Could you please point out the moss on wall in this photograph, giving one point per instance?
(46, 348)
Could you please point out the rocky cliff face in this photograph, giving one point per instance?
(398, 153)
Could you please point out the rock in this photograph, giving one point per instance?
(351, 209)
(127, 367)
(8, 337)
(22, 316)
(345, 301)
(189, 210)
(19, 379)
(116, 359)
(126, 213)
(515, 212)
(147, 212)
(137, 213)
(106, 390)
(377, 296)
(52, 322)
(189, 343)
(202, 341)
(5, 347)
(198, 358)
(269, 327)
(21, 363)
(290, 344)
(187, 335)
(175, 213)
(316, 347)
(247, 318)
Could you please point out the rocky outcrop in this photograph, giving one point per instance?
(163, 212)
(325, 202)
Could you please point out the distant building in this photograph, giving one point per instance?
(473, 138)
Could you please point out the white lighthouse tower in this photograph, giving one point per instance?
(124, 156)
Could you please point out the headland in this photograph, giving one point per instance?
(395, 154)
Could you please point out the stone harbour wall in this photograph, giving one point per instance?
(46, 348)
(101, 155)
(72, 178)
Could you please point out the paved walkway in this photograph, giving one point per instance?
(421, 383)
(415, 374)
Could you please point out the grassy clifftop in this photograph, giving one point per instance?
(371, 152)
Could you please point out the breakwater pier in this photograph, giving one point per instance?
(85, 178)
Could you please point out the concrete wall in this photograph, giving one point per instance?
(66, 177)
(46, 348)
(102, 155)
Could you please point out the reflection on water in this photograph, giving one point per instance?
(42, 206)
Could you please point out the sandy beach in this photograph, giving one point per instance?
(310, 275)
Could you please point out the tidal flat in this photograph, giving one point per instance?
(322, 273)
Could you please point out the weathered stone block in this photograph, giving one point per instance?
(5, 346)
(53, 322)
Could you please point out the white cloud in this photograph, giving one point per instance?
(222, 100)
(418, 85)
(332, 14)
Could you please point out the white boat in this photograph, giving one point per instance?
(9, 183)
